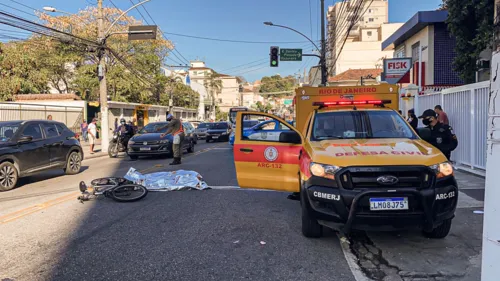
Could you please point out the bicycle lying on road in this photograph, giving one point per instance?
(118, 189)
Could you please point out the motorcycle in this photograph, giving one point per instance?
(117, 144)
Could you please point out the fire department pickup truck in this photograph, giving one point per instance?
(355, 161)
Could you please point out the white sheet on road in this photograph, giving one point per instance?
(168, 181)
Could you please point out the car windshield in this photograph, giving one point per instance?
(152, 128)
(7, 131)
(360, 125)
(202, 126)
(249, 124)
(218, 126)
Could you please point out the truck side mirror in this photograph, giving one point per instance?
(290, 137)
(424, 133)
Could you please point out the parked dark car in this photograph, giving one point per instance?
(218, 131)
(189, 130)
(29, 147)
(149, 143)
(201, 131)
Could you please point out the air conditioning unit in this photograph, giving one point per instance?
(483, 64)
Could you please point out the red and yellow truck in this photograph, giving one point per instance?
(354, 161)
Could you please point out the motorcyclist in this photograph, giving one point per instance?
(126, 131)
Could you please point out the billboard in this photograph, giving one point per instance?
(395, 69)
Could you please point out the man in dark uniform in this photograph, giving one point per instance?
(442, 136)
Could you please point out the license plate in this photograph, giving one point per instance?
(146, 148)
(215, 136)
(393, 203)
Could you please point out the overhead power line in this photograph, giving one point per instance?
(353, 22)
(169, 58)
(29, 14)
(234, 41)
(24, 5)
(24, 24)
(163, 35)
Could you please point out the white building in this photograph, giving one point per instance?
(362, 42)
(228, 96)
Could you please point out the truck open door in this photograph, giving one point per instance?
(267, 163)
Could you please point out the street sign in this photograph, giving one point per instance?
(291, 55)
(395, 69)
(288, 102)
(142, 32)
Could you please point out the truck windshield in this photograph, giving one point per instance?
(360, 124)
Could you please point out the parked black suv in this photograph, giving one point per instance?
(28, 147)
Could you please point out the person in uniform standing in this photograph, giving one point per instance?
(175, 128)
(442, 136)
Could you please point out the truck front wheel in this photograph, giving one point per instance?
(310, 226)
(440, 231)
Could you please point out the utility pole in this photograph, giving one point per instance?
(491, 228)
(103, 90)
(324, 71)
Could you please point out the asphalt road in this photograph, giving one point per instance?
(47, 234)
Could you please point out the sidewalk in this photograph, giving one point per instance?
(97, 150)
(409, 256)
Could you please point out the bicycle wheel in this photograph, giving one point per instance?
(128, 193)
(109, 181)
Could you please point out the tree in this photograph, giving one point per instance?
(21, 69)
(276, 83)
(261, 107)
(183, 96)
(471, 23)
(213, 84)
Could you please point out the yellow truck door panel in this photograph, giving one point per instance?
(265, 164)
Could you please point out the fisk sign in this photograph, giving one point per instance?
(395, 69)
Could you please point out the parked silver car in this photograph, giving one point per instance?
(201, 131)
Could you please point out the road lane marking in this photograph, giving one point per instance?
(44, 205)
(38, 207)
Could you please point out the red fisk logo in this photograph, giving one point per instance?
(397, 65)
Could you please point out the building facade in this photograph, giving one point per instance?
(361, 49)
(428, 30)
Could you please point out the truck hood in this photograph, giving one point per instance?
(375, 152)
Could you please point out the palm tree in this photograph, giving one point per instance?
(213, 84)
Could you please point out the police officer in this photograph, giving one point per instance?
(442, 135)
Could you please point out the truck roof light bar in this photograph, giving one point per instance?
(341, 103)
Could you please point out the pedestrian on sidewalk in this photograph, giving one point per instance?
(442, 135)
(442, 116)
(49, 117)
(92, 133)
(412, 119)
(84, 129)
(175, 128)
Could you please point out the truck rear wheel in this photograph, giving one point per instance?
(310, 226)
(440, 231)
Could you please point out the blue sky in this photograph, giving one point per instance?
(234, 20)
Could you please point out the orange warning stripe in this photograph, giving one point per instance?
(286, 154)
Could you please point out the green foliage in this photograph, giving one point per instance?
(32, 65)
(276, 83)
(183, 96)
(261, 107)
(221, 116)
(471, 23)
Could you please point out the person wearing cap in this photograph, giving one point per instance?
(442, 136)
(175, 128)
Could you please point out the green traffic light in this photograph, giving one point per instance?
(274, 62)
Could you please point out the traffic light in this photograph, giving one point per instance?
(274, 61)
